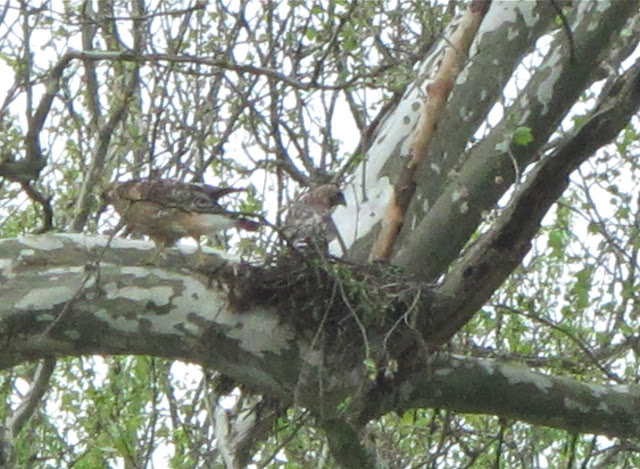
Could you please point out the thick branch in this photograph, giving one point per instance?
(505, 36)
(438, 91)
(57, 300)
(481, 386)
(238, 429)
(489, 170)
(494, 256)
(68, 295)
(345, 445)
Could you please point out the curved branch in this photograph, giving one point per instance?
(28, 168)
(45, 203)
(29, 404)
(69, 295)
(72, 295)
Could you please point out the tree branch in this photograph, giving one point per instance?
(438, 90)
(72, 295)
(220, 65)
(479, 386)
(66, 295)
(487, 171)
(345, 446)
(366, 201)
(28, 168)
(45, 203)
(494, 256)
(29, 404)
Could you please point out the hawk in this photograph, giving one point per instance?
(167, 210)
(309, 224)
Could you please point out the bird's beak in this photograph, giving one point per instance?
(341, 199)
(106, 197)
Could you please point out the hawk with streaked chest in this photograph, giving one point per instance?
(309, 225)
(167, 210)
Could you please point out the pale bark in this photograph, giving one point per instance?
(481, 386)
(59, 302)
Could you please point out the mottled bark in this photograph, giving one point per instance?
(58, 301)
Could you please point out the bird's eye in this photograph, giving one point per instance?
(201, 201)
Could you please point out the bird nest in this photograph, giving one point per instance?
(342, 302)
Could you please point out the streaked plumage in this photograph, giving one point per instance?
(309, 224)
(167, 210)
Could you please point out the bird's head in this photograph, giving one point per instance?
(338, 198)
(327, 195)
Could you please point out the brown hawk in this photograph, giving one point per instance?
(309, 225)
(167, 210)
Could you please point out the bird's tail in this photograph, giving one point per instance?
(248, 225)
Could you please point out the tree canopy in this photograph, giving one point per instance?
(480, 308)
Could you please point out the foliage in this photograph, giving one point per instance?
(277, 96)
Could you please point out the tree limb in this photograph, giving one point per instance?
(438, 91)
(493, 257)
(345, 445)
(480, 386)
(58, 301)
(503, 25)
(487, 171)
(39, 387)
(28, 168)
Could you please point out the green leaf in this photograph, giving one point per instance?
(522, 136)
(310, 33)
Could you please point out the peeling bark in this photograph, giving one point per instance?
(437, 92)
(488, 168)
(506, 34)
(73, 295)
(70, 295)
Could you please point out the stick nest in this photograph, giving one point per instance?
(343, 301)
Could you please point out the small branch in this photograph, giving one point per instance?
(96, 168)
(221, 65)
(92, 89)
(567, 30)
(45, 202)
(199, 5)
(30, 402)
(29, 168)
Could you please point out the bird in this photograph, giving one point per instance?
(167, 210)
(308, 226)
